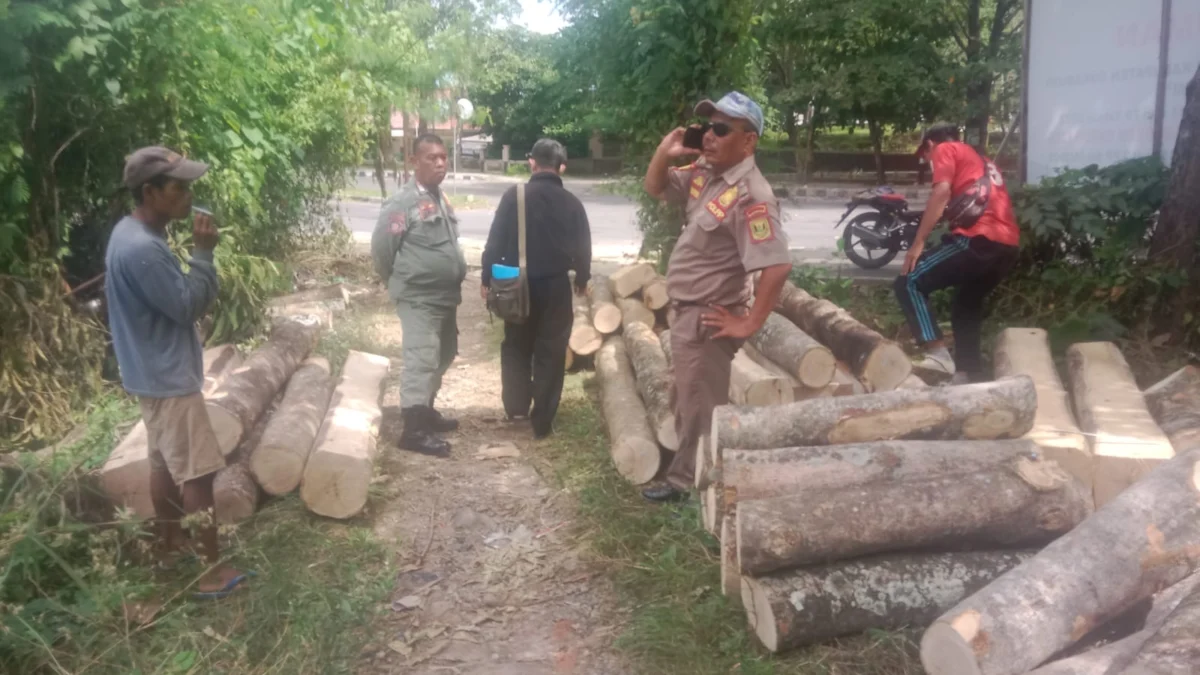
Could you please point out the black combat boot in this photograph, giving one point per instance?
(417, 436)
(438, 422)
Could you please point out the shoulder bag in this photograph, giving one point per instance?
(509, 298)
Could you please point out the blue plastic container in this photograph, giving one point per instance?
(505, 272)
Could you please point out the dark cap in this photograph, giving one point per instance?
(548, 153)
(147, 163)
(938, 133)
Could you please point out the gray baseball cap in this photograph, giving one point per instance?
(146, 163)
(735, 104)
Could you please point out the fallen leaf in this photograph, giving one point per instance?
(406, 603)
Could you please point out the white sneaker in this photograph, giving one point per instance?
(937, 361)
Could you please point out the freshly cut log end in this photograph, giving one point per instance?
(801, 607)
(654, 294)
(584, 340)
(278, 461)
(781, 341)
(752, 385)
(338, 473)
(633, 311)
(1175, 404)
(654, 381)
(630, 279)
(606, 317)
(634, 450)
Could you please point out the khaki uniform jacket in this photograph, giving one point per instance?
(415, 248)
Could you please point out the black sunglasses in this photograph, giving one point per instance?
(719, 129)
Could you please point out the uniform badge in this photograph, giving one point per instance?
(426, 208)
(398, 223)
(720, 204)
(698, 182)
(758, 220)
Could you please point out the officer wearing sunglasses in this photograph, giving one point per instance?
(732, 230)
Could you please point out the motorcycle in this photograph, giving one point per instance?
(874, 238)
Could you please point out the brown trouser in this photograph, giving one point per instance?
(701, 369)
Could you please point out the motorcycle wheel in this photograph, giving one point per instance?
(862, 253)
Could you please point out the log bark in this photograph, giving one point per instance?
(237, 404)
(630, 279)
(277, 461)
(879, 363)
(1175, 404)
(1174, 649)
(1025, 503)
(235, 492)
(1126, 443)
(752, 385)
(664, 339)
(606, 316)
(585, 340)
(633, 311)
(1145, 539)
(634, 450)
(731, 579)
(338, 473)
(1026, 351)
(984, 411)
(801, 607)
(654, 382)
(654, 294)
(126, 473)
(804, 358)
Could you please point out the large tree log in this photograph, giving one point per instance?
(1026, 351)
(797, 608)
(338, 473)
(633, 311)
(654, 382)
(235, 494)
(1126, 442)
(634, 450)
(879, 363)
(799, 391)
(606, 316)
(1145, 539)
(585, 340)
(277, 461)
(752, 385)
(237, 404)
(804, 358)
(654, 294)
(630, 279)
(1026, 503)
(126, 472)
(1175, 404)
(984, 411)
(1174, 649)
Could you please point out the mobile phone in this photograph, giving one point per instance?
(693, 137)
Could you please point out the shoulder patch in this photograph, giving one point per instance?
(399, 222)
(697, 185)
(758, 222)
(426, 207)
(685, 167)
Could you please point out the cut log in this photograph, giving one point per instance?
(913, 382)
(277, 461)
(634, 450)
(235, 493)
(1175, 404)
(752, 385)
(804, 358)
(1126, 442)
(585, 340)
(1174, 649)
(654, 294)
(237, 404)
(630, 279)
(1026, 351)
(984, 411)
(799, 391)
(633, 311)
(664, 339)
(1026, 503)
(798, 608)
(846, 384)
(654, 382)
(879, 363)
(1145, 539)
(126, 472)
(338, 474)
(731, 579)
(606, 316)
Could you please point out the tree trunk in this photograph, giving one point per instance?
(984, 411)
(654, 382)
(654, 294)
(1127, 443)
(752, 385)
(876, 130)
(1026, 351)
(634, 450)
(1174, 240)
(804, 358)
(243, 396)
(585, 340)
(630, 279)
(879, 363)
(1145, 539)
(1175, 404)
(633, 311)
(338, 474)
(1174, 649)
(278, 461)
(606, 317)
(810, 143)
(801, 607)
(1025, 503)
(126, 472)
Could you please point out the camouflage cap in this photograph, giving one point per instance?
(735, 104)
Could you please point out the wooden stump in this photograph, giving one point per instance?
(1145, 539)
(1127, 443)
(237, 404)
(654, 294)
(277, 461)
(752, 385)
(585, 340)
(633, 311)
(654, 382)
(630, 279)
(990, 410)
(802, 357)
(1026, 351)
(801, 607)
(338, 473)
(634, 450)
(1175, 404)
(1026, 503)
(606, 317)
(879, 363)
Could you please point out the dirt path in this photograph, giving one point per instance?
(491, 578)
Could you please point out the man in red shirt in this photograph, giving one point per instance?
(974, 257)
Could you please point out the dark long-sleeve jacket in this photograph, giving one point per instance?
(557, 236)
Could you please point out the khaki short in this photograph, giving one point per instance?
(180, 437)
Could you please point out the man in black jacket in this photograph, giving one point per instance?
(557, 239)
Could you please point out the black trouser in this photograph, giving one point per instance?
(533, 356)
(975, 265)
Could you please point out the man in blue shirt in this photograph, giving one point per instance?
(152, 310)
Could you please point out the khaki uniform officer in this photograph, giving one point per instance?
(732, 229)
